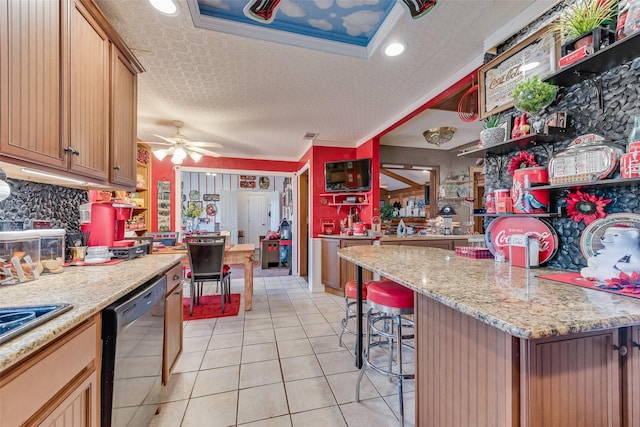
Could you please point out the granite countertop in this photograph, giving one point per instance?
(390, 238)
(89, 289)
(511, 299)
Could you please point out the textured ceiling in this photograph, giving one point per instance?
(259, 98)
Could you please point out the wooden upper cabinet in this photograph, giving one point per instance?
(89, 95)
(123, 123)
(67, 91)
(31, 96)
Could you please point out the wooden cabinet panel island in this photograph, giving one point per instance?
(498, 346)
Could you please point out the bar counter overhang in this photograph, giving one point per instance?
(496, 345)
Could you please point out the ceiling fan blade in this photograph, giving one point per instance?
(160, 144)
(205, 152)
(204, 144)
(165, 138)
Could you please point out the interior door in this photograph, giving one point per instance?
(258, 210)
(228, 214)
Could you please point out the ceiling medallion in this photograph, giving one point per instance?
(439, 135)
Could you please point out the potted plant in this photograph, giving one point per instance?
(386, 212)
(492, 133)
(579, 20)
(531, 96)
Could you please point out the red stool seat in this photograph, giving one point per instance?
(390, 294)
(350, 289)
(226, 268)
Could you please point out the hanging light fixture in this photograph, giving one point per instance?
(195, 156)
(160, 154)
(439, 135)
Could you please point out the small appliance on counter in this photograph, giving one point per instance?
(105, 223)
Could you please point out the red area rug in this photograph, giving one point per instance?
(577, 280)
(211, 306)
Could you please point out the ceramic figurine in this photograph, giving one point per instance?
(621, 253)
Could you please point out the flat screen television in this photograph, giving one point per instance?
(347, 175)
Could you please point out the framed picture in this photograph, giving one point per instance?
(211, 197)
(196, 204)
(247, 184)
(506, 122)
(537, 55)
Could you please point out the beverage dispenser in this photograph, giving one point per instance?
(105, 223)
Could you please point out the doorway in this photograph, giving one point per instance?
(257, 216)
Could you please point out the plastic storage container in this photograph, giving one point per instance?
(20, 256)
(52, 249)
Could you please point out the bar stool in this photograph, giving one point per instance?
(392, 302)
(350, 296)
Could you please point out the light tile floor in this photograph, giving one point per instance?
(277, 365)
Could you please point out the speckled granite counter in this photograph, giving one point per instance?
(89, 289)
(508, 298)
(415, 237)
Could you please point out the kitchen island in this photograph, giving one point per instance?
(52, 372)
(498, 346)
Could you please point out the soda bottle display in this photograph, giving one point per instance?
(623, 9)
(632, 22)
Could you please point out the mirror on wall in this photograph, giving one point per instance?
(412, 189)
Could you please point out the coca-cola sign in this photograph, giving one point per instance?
(500, 229)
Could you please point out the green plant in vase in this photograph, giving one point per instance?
(531, 96)
(492, 133)
(386, 212)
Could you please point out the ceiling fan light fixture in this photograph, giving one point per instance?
(180, 153)
(439, 135)
(195, 156)
(176, 160)
(160, 154)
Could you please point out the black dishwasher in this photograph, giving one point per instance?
(132, 344)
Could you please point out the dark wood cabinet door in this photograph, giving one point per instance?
(347, 268)
(173, 331)
(88, 95)
(330, 272)
(123, 122)
(31, 96)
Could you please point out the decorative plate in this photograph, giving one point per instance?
(263, 182)
(194, 195)
(211, 209)
(463, 191)
(500, 229)
(590, 238)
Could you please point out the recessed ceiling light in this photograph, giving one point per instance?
(168, 7)
(394, 49)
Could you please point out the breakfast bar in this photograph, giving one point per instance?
(496, 345)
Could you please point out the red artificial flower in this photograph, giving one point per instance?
(522, 160)
(585, 207)
(628, 283)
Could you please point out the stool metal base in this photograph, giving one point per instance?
(387, 323)
(349, 314)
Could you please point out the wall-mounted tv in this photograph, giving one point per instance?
(348, 175)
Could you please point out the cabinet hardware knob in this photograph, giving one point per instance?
(69, 150)
(76, 153)
(176, 277)
(635, 344)
(621, 349)
(116, 167)
(176, 293)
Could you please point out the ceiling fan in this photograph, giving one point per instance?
(179, 147)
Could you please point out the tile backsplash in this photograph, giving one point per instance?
(32, 201)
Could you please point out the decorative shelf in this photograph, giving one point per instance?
(616, 182)
(609, 57)
(539, 215)
(518, 143)
(349, 204)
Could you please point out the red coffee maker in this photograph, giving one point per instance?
(105, 223)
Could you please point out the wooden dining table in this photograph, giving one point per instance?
(233, 254)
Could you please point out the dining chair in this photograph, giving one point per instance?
(206, 258)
